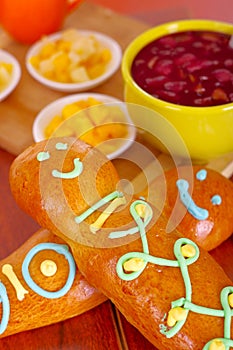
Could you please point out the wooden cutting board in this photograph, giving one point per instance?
(19, 110)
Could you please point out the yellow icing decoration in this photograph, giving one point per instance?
(217, 345)
(142, 210)
(8, 271)
(176, 314)
(134, 264)
(188, 251)
(230, 300)
(106, 213)
(48, 268)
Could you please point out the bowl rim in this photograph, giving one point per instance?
(16, 74)
(158, 31)
(113, 65)
(37, 126)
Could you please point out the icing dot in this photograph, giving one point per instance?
(217, 344)
(60, 146)
(216, 200)
(41, 156)
(188, 250)
(230, 300)
(201, 174)
(60, 249)
(176, 314)
(48, 268)
(134, 264)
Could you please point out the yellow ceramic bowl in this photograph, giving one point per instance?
(206, 131)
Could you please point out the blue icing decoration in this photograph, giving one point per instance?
(78, 168)
(186, 199)
(216, 199)
(41, 156)
(60, 249)
(201, 174)
(5, 307)
(60, 146)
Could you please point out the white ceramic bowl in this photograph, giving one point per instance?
(16, 73)
(111, 68)
(47, 114)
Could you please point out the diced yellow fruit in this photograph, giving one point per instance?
(63, 130)
(119, 130)
(79, 75)
(70, 35)
(99, 114)
(47, 50)
(35, 61)
(8, 66)
(75, 58)
(116, 114)
(46, 66)
(93, 101)
(61, 62)
(5, 78)
(49, 75)
(88, 124)
(63, 45)
(96, 70)
(111, 131)
(79, 123)
(82, 104)
(104, 132)
(69, 110)
(89, 138)
(108, 147)
(55, 122)
(106, 55)
(62, 77)
(93, 59)
(85, 47)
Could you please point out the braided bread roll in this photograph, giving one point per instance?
(171, 290)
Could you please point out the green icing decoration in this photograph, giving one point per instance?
(60, 146)
(97, 205)
(41, 156)
(133, 230)
(182, 263)
(78, 168)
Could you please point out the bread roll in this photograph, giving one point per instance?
(174, 293)
(205, 215)
(28, 309)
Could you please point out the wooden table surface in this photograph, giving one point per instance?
(103, 327)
